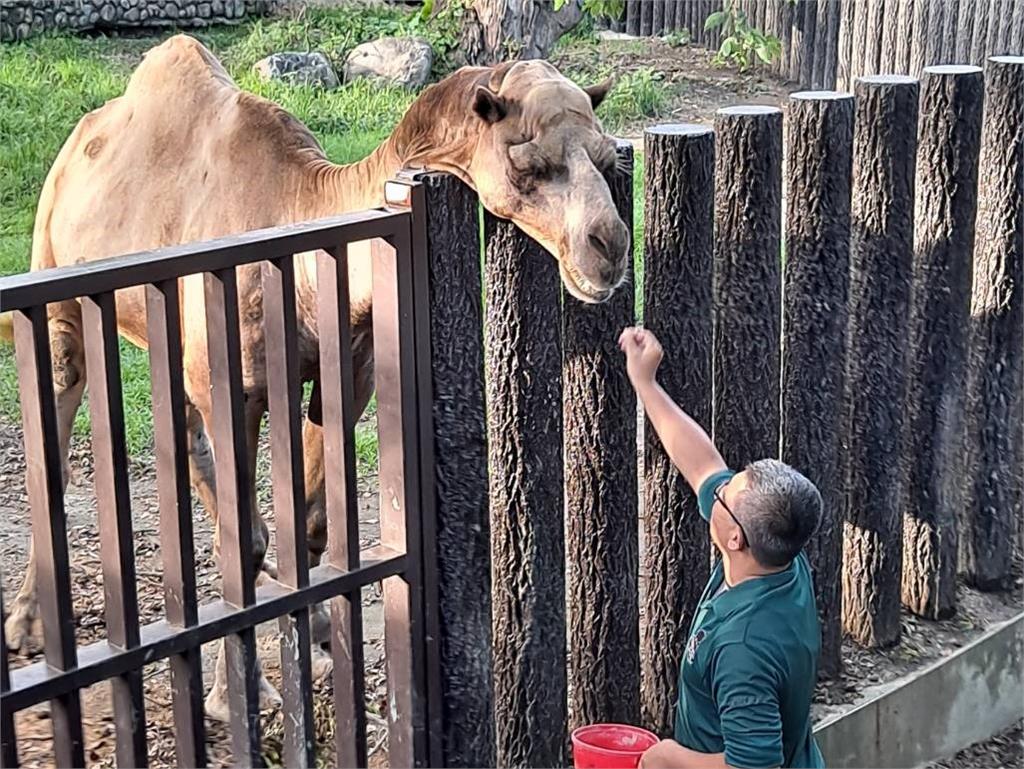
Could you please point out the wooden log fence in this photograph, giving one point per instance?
(881, 249)
(511, 548)
(747, 285)
(946, 202)
(819, 143)
(524, 398)
(679, 189)
(827, 44)
(602, 548)
(993, 504)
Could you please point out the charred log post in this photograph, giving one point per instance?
(819, 151)
(994, 492)
(599, 411)
(679, 188)
(633, 17)
(747, 282)
(460, 457)
(844, 60)
(949, 136)
(524, 394)
(904, 36)
(881, 256)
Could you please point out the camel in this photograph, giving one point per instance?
(185, 155)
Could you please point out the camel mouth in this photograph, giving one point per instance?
(580, 286)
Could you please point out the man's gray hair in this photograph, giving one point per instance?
(780, 510)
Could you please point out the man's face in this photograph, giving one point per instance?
(726, 532)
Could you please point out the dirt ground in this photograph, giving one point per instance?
(697, 90)
(1004, 750)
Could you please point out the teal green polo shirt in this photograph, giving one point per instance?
(749, 667)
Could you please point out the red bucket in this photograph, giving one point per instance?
(610, 746)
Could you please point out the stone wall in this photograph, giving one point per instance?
(20, 19)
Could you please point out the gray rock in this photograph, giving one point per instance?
(16, 15)
(218, 7)
(22, 32)
(132, 15)
(171, 11)
(190, 10)
(298, 68)
(60, 19)
(108, 12)
(403, 61)
(204, 10)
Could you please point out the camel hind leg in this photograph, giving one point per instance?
(67, 350)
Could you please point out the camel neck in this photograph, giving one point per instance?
(358, 186)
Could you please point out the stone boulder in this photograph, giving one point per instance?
(403, 61)
(298, 68)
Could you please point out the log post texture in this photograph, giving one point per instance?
(994, 491)
(747, 282)
(602, 549)
(679, 187)
(881, 253)
(949, 135)
(819, 141)
(524, 394)
(632, 17)
(904, 23)
(460, 456)
(844, 54)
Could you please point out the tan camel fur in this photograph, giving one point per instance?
(184, 155)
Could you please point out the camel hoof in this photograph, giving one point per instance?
(216, 704)
(269, 698)
(321, 663)
(320, 624)
(269, 568)
(22, 631)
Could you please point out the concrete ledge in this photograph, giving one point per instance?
(932, 714)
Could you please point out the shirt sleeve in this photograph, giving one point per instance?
(706, 494)
(744, 685)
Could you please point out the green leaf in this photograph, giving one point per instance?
(559, 4)
(729, 45)
(715, 20)
(764, 54)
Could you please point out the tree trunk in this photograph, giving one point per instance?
(658, 16)
(599, 409)
(966, 16)
(633, 17)
(810, 45)
(497, 30)
(820, 152)
(881, 254)
(919, 44)
(844, 58)
(946, 190)
(980, 33)
(826, 67)
(904, 25)
(679, 186)
(994, 492)
(460, 458)
(524, 397)
(859, 43)
(888, 56)
(747, 283)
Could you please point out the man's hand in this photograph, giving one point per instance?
(643, 354)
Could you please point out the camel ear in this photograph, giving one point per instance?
(488, 105)
(599, 91)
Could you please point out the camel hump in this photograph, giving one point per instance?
(179, 58)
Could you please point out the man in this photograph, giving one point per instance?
(749, 667)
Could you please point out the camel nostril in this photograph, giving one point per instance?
(598, 244)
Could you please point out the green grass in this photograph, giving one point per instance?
(47, 84)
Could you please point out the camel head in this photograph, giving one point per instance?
(539, 161)
(526, 139)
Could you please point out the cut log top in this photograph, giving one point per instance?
(953, 69)
(821, 95)
(881, 80)
(748, 110)
(679, 129)
(1007, 59)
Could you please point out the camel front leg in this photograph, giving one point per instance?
(67, 348)
(316, 508)
(217, 701)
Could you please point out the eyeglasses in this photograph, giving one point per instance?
(721, 500)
